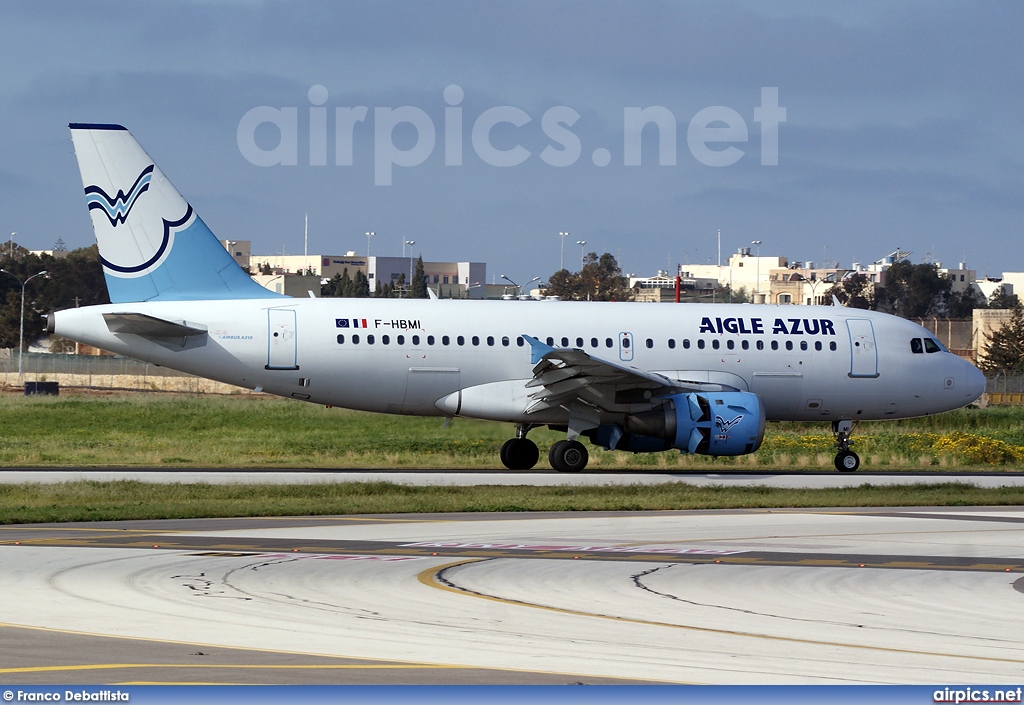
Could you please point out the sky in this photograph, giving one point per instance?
(828, 131)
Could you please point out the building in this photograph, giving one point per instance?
(449, 280)
(662, 287)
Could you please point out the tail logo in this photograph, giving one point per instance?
(118, 207)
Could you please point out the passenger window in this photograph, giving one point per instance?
(445, 340)
(730, 344)
(686, 343)
(789, 345)
(565, 342)
(430, 340)
(490, 340)
(930, 346)
(817, 345)
(579, 342)
(745, 345)
(700, 343)
(504, 340)
(520, 342)
(355, 339)
(385, 339)
(369, 340)
(460, 340)
(341, 340)
(625, 343)
(650, 343)
(400, 340)
(415, 340)
(916, 347)
(775, 345)
(476, 340)
(593, 342)
(671, 343)
(551, 341)
(832, 346)
(760, 345)
(608, 342)
(715, 344)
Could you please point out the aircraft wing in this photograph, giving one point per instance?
(561, 376)
(150, 327)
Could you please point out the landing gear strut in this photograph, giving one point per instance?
(520, 453)
(846, 460)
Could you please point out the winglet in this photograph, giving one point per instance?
(537, 349)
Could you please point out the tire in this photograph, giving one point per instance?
(519, 454)
(847, 461)
(568, 456)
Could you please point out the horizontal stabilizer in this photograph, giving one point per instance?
(150, 327)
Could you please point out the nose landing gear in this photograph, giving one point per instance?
(846, 460)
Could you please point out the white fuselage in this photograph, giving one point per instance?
(804, 362)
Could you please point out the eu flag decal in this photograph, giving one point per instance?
(341, 322)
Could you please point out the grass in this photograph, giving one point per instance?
(259, 432)
(124, 500)
(248, 432)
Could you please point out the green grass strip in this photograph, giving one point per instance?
(129, 499)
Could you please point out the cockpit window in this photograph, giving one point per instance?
(932, 346)
(916, 346)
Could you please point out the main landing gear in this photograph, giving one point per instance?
(520, 453)
(568, 456)
(846, 460)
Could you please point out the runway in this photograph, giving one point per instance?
(538, 478)
(766, 596)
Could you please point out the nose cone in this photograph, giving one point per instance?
(975, 382)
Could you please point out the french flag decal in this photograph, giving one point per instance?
(350, 322)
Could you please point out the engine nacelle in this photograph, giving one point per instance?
(703, 423)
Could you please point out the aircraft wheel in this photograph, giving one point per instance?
(519, 454)
(568, 456)
(847, 461)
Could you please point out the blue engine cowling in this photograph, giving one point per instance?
(702, 423)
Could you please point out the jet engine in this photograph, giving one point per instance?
(704, 423)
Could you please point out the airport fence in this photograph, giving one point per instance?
(101, 372)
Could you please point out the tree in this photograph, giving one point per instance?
(1000, 299)
(913, 291)
(854, 291)
(418, 290)
(1005, 352)
(600, 279)
(961, 304)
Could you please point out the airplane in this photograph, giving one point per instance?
(698, 378)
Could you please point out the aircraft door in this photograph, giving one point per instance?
(282, 345)
(863, 353)
(626, 347)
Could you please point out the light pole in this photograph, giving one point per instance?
(10, 251)
(21, 335)
(408, 282)
(583, 257)
(510, 282)
(368, 236)
(758, 280)
(561, 260)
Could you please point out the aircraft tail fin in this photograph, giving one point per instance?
(153, 245)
